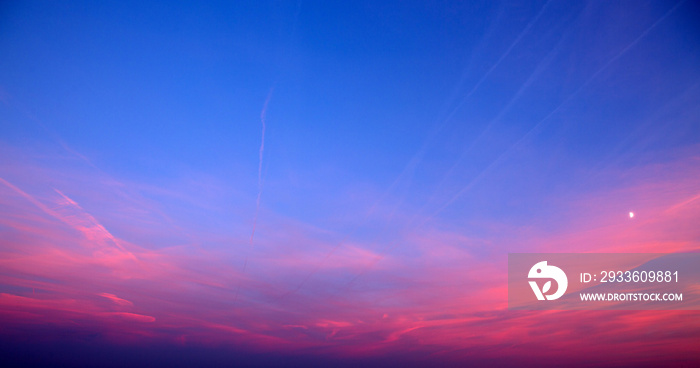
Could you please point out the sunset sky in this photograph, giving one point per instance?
(273, 183)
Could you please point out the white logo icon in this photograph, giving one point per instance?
(542, 271)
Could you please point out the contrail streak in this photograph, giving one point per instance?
(498, 62)
(530, 132)
(263, 115)
(544, 63)
(502, 156)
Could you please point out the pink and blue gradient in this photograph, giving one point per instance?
(408, 148)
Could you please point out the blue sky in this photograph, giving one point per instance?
(407, 145)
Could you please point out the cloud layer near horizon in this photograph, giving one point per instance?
(135, 271)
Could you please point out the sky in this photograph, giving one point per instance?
(316, 183)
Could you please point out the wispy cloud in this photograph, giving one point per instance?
(436, 290)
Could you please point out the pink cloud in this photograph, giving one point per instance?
(432, 289)
(116, 299)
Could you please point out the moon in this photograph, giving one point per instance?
(631, 214)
